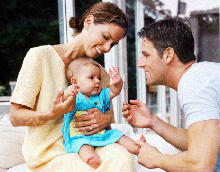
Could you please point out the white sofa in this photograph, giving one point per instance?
(11, 140)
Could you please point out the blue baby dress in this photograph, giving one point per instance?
(101, 102)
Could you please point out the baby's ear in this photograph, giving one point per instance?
(73, 80)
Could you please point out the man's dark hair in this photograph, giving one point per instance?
(172, 33)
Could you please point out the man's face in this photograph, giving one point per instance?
(152, 63)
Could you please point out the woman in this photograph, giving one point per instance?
(37, 103)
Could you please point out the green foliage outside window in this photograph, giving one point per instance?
(25, 24)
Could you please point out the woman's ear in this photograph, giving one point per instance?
(168, 54)
(73, 80)
(88, 21)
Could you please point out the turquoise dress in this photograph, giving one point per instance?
(101, 102)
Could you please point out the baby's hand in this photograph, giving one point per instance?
(72, 90)
(115, 76)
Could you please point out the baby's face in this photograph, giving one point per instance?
(89, 80)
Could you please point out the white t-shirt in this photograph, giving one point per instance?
(199, 92)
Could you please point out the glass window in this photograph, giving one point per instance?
(24, 25)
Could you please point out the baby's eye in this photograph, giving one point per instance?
(91, 77)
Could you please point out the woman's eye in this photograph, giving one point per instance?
(105, 37)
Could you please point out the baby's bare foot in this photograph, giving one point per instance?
(142, 138)
(94, 161)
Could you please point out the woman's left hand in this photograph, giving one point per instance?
(92, 122)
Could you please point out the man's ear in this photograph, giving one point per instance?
(88, 21)
(73, 80)
(168, 54)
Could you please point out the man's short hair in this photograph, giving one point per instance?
(172, 33)
(75, 67)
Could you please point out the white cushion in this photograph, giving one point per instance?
(2, 169)
(11, 140)
(19, 168)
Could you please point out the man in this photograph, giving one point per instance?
(168, 59)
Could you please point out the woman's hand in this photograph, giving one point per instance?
(21, 115)
(60, 107)
(137, 114)
(92, 122)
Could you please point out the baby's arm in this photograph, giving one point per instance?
(72, 90)
(116, 83)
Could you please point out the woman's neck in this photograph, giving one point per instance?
(70, 51)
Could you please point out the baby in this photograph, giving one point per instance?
(85, 75)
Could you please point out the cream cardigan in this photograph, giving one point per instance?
(41, 75)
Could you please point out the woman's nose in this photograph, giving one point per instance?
(107, 47)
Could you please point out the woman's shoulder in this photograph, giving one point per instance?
(42, 48)
(43, 51)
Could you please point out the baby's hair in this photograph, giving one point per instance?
(75, 66)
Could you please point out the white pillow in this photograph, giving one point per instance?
(11, 140)
(19, 168)
(2, 169)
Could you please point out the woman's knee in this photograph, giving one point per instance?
(115, 151)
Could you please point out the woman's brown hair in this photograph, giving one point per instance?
(103, 12)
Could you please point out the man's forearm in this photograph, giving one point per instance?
(183, 162)
(175, 136)
(203, 146)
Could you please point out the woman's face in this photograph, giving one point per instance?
(100, 38)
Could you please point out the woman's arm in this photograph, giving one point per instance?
(21, 115)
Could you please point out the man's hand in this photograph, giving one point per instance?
(137, 114)
(148, 155)
(93, 118)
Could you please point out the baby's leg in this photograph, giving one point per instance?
(130, 144)
(88, 155)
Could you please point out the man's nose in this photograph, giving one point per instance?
(140, 63)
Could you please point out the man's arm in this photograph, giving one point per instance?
(173, 135)
(203, 146)
(139, 115)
